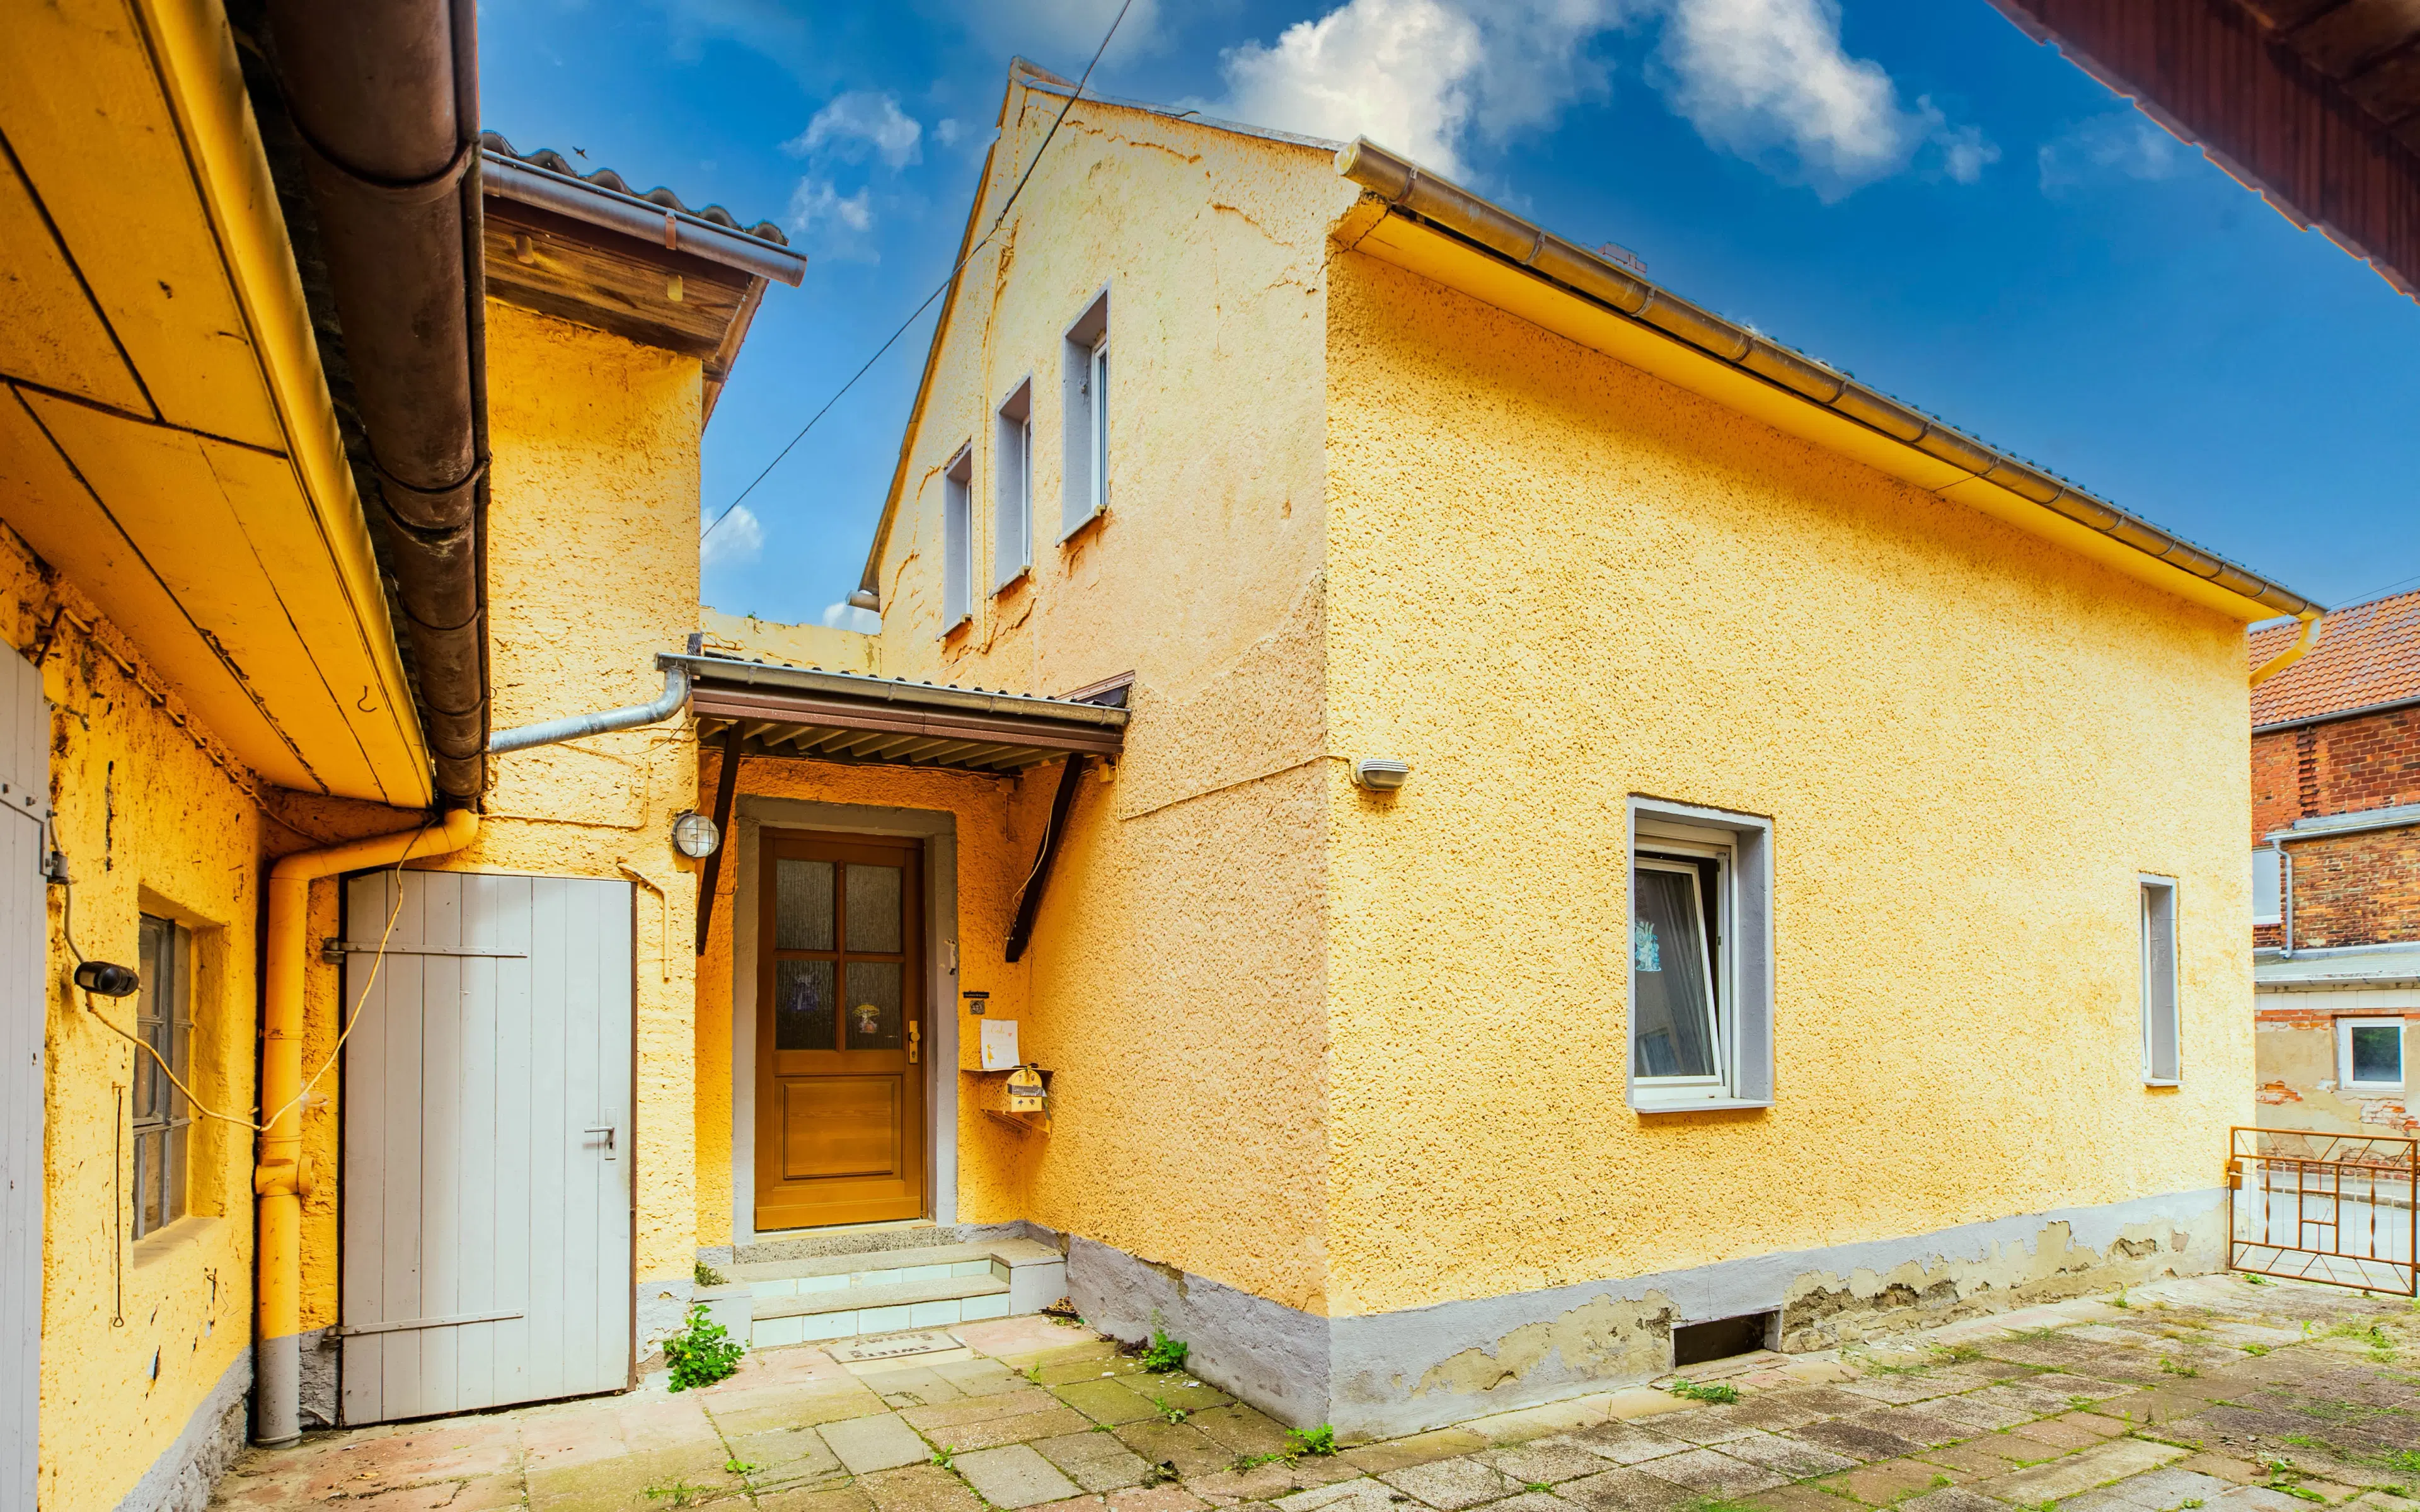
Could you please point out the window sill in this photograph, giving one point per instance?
(1022, 574)
(190, 1232)
(1082, 525)
(954, 627)
(2154, 1082)
(1695, 1104)
(2373, 1088)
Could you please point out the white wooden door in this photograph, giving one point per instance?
(486, 1190)
(26, 794)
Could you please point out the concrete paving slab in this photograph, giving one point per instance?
(1625, 1490)
(1710, 1473)
(1451, 1485)
(1113, 1401)
(926, 1487)
(1243, 1430)
(2256, 1499)
(1191, 1451)
(1626, 1443)
(1887, 1482)
(809, 1499)
(2164, 1489)
(1530, 1422)
(1951, 1499)
(2078, 1473)
(1420, 1448)
(1533, 1502)
(1786, 1455)
(1358, 1495)
(1014, 1476)
(1096, 1462)
(1542, 1462)
(869, 1443)
(1858, 1442)
(1013, 1428)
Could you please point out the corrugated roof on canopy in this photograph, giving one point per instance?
(846, 716)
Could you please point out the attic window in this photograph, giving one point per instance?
(1012, 485)
(958, 540)
(1084, 408)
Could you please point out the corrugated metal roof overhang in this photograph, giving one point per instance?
(842, 717)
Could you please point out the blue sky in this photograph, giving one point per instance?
(1908, 189)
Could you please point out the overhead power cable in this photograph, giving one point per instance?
(960, 267)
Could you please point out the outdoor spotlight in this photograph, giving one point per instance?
(1381, 773)
(864, 598)
(694, 835)
(107, 979)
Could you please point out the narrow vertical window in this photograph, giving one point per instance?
(1084, 412)
(163, 1019)
(1012, 475)
(958, 540)
(2267, 887)
(1101, 426)
(2160, 1061)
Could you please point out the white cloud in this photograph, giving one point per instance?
(1760, 76)
(945, 130)
(1399, 71)
(831, 224)
(855, 124)
(2123, 144)
(846, 616)
(1766, 79)
(738, 538)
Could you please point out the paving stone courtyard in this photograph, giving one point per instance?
(2207, 1392)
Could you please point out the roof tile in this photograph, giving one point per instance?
(2365, 654)
(553, 161)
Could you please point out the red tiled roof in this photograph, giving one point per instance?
(2364, 655)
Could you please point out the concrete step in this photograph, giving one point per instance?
(805, 1298)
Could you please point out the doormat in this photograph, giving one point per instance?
(891, 1347)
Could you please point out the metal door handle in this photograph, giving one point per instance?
(915, 1038)
(607, 1129)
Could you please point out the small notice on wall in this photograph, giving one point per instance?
(999, 1044)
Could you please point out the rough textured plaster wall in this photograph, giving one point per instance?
(1176, 980)
(149, 823)
(800, 646)
(1554, 581)
(592, 570)
(998, 823)
(2296, 1040)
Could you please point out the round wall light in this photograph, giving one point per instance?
(105, 979)
(1381, 773)
(695, 836)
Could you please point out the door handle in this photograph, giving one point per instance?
(915, 1039)
(607, 1129)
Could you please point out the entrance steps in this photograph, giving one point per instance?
(808, 1290)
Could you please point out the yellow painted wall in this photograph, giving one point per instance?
(1176, 974)
(155, 816)
(591, 571)
(1554, 581)
(796, 645)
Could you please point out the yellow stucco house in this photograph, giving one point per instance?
(1463, 830)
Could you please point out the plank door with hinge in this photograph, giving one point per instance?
(487, 1192)
(24, 775)
(840, 1031)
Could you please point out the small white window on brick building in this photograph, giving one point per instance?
(958, 540)
(2268, 886)
(2370, 1054)
(2161, 1061)
(1700, 946)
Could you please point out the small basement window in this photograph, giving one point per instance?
(1722, 1337)
(2370, 1054)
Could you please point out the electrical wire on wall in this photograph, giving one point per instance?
(66, 932)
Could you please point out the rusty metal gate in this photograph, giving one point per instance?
(2322, 1207)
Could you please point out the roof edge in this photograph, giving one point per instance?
(1406, 189)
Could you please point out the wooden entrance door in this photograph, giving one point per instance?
(840, 1031)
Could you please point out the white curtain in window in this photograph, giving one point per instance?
(1670, 991)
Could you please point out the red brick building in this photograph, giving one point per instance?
(2335, 868)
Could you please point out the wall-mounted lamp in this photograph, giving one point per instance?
(695, 836)
(1381, 773)
(103, 979)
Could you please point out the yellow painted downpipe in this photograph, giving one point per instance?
(2292, 654)
(279, 1183)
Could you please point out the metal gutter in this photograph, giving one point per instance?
(2361, 821)
(856, 689)
(528, 184)
(385, 97)
(1409, 190)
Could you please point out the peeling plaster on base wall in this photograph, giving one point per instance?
(1388, 1374)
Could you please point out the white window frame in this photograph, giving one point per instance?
(2344, 1053)
(2273, 860)
(2159, 992)
(958, 539)
(1085, 419)
(1741, 845)
(1011, 487)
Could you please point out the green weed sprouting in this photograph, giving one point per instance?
(1318, 1441)
(1719, 1393)
(702, 1353)
(1163, 1354)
